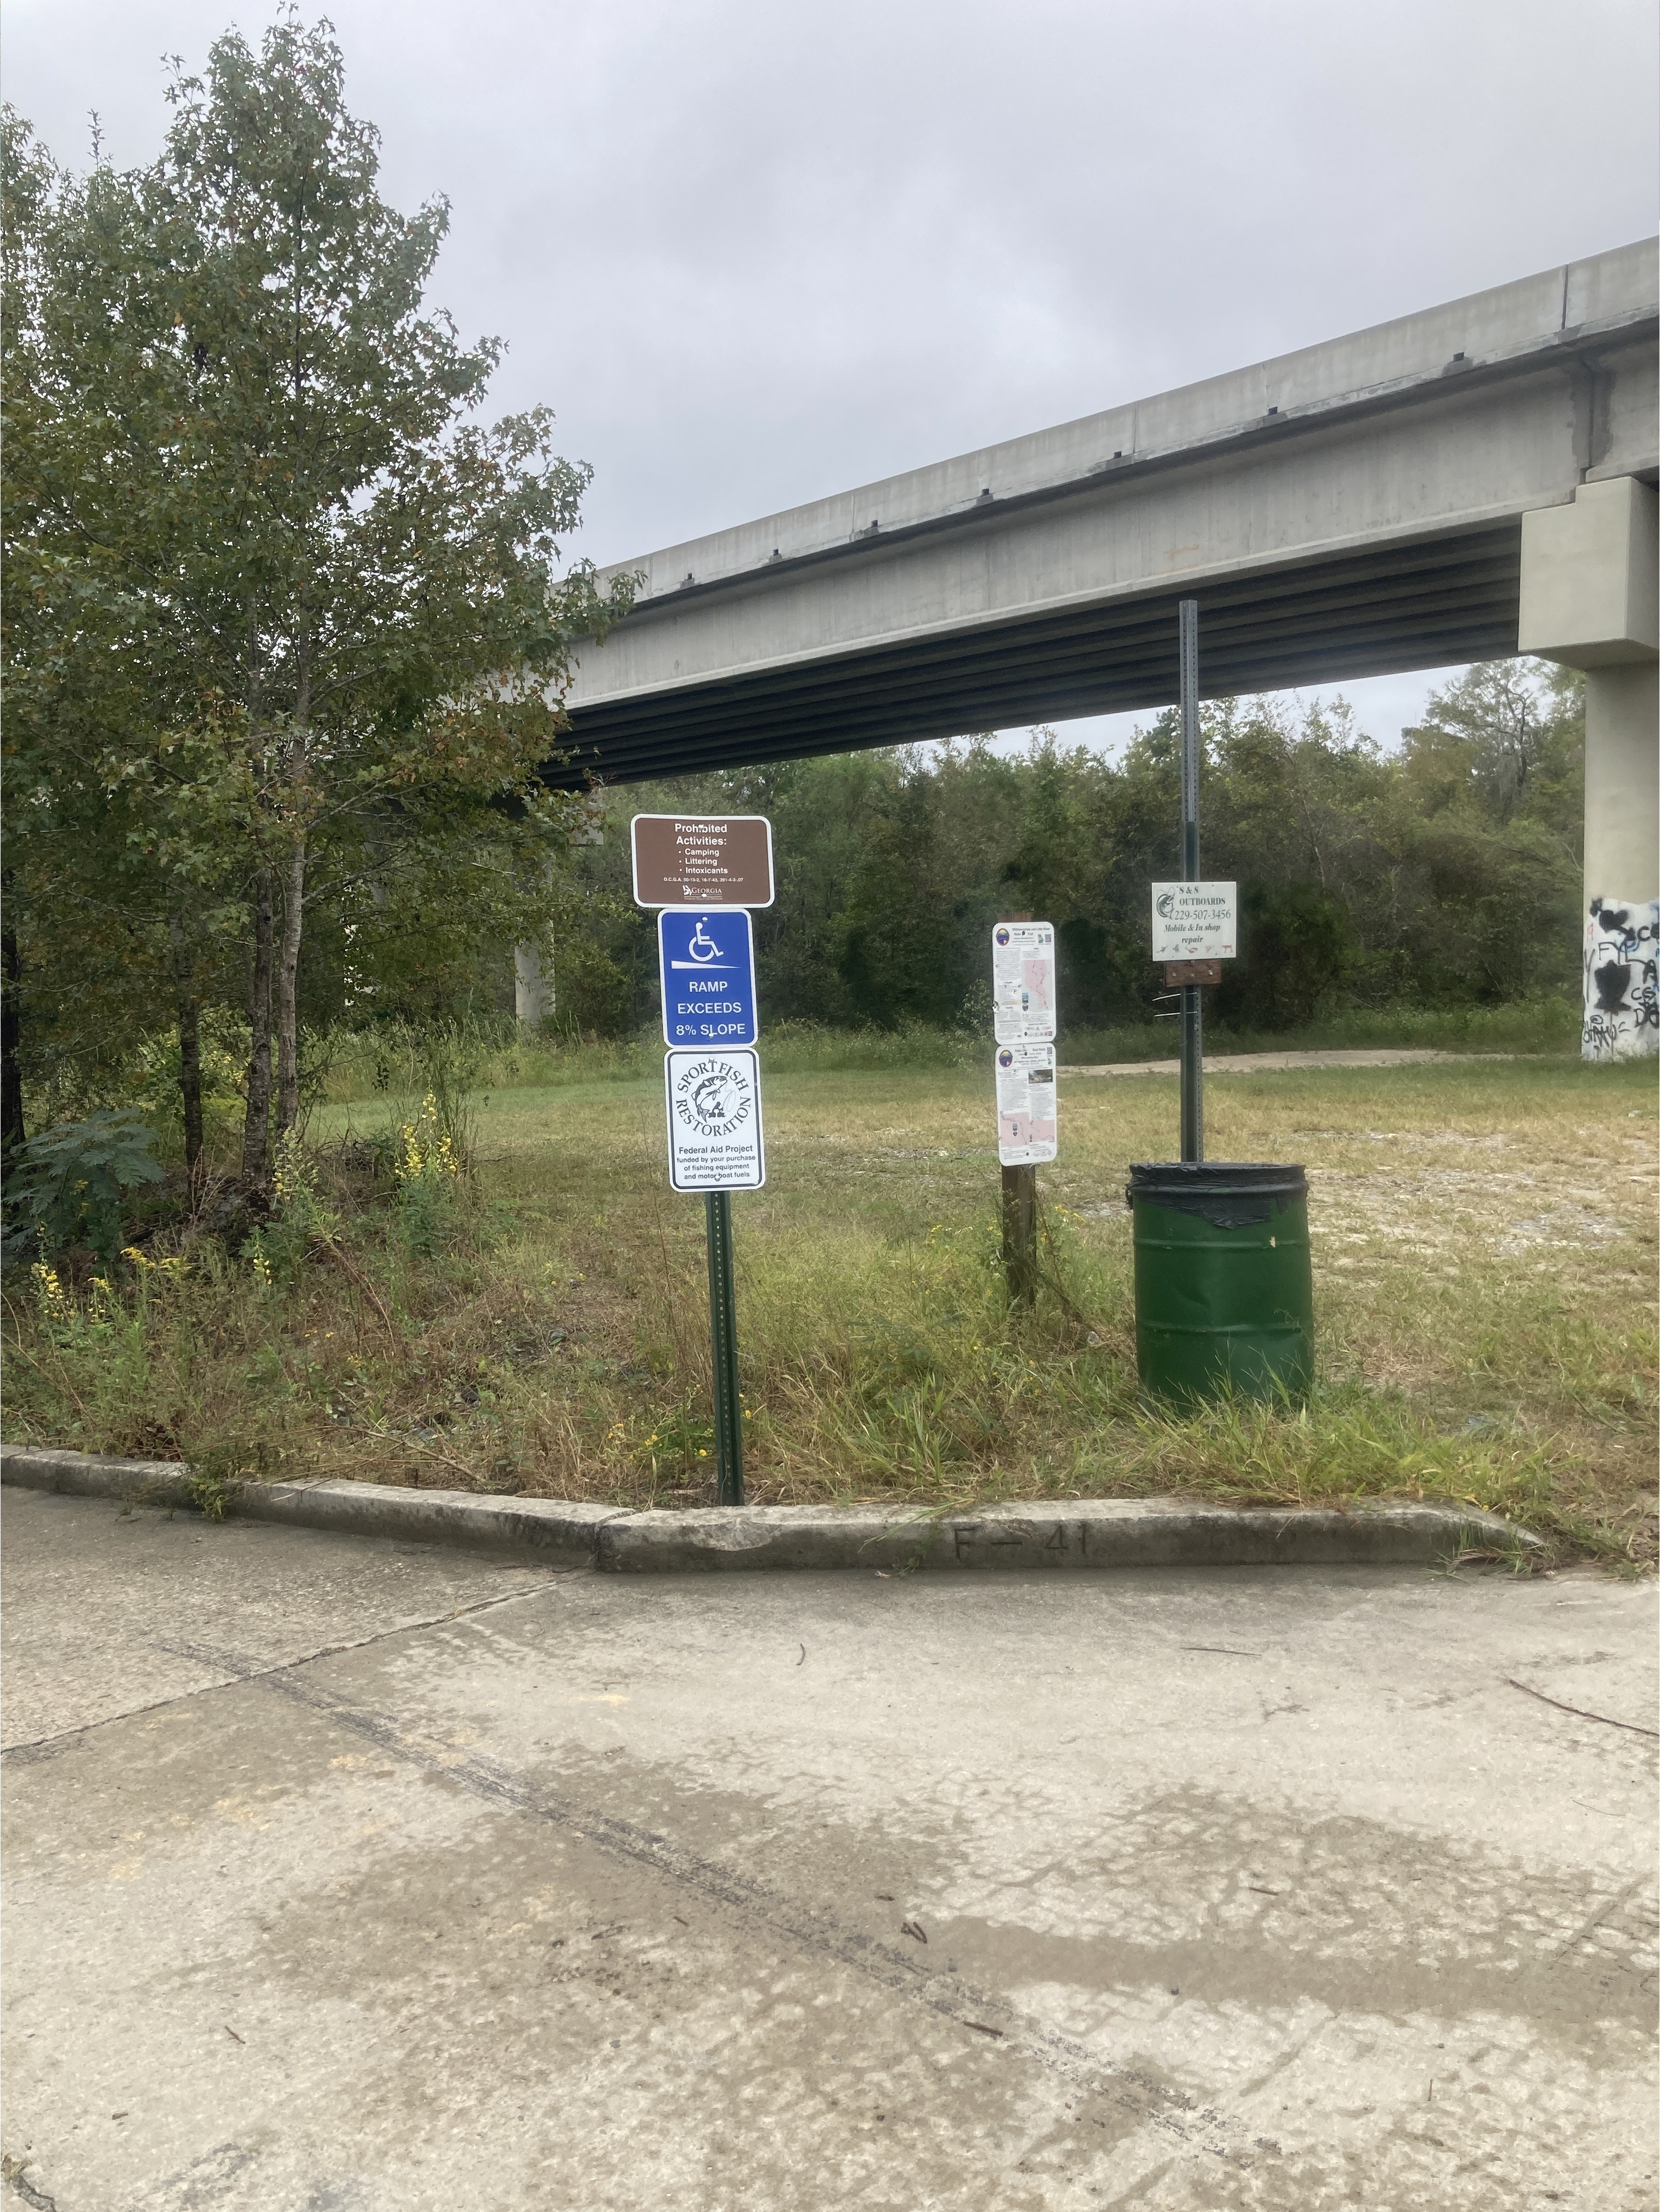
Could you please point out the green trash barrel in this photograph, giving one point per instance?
(1223, 1291)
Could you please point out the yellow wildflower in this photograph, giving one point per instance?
(49, 1291)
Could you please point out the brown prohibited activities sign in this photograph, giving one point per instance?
(701, 860)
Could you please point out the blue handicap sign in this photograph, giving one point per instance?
(706, 958)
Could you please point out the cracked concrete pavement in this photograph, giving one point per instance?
(343, 1876)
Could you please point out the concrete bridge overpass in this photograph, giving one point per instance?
(1460, 484)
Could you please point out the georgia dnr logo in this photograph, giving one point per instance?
(713, 1097)
(1164, 904)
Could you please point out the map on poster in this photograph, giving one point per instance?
(1025, 1104)
(1023, 981)
(713, 1102)
(1194, 921)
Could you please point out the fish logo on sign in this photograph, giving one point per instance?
(713, 1105)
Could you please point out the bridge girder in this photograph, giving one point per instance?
(1353, 509)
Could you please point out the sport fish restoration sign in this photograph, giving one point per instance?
(714, 1101)
(1023, 981)
(1194, 921)
(706, 963)
(715, 859)
(1025, 1104)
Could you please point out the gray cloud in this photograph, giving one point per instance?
(755, 253)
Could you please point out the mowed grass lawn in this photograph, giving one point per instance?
(1484, 1252)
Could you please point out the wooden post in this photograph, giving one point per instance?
(1020, 1234)
(1020, 1218)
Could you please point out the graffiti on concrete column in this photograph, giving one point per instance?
(1622, 1013)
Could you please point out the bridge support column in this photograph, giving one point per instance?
(1591, 580)
(533, 991)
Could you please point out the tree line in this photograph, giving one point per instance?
(1444, 874)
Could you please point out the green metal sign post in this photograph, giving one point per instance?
(723, 1344)
(705, 873)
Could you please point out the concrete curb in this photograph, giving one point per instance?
(538, 1527)
(1108, 1532)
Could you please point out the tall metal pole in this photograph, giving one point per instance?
(723, 1342)
(1193, 1040)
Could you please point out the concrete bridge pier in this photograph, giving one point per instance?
(534, 993)
(1590, 598)
(532, 989)
(533, 975)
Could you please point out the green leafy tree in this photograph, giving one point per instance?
(288, 632)
(1505, 742)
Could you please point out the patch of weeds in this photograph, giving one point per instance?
(301, 1219)
(214, 1475)
(681, 1445)
(75, 1183)
(427, 1169)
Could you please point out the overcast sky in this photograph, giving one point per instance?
(753, 251)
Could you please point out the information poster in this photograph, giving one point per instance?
(714, 1103)
(1025, 1104)
(1194, 921)
(1023, 982)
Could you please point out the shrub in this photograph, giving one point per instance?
(72, 1182)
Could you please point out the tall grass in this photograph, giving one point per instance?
(451, 1058)
(1547, 1025)
(1483, 1252)
(403, 1061)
